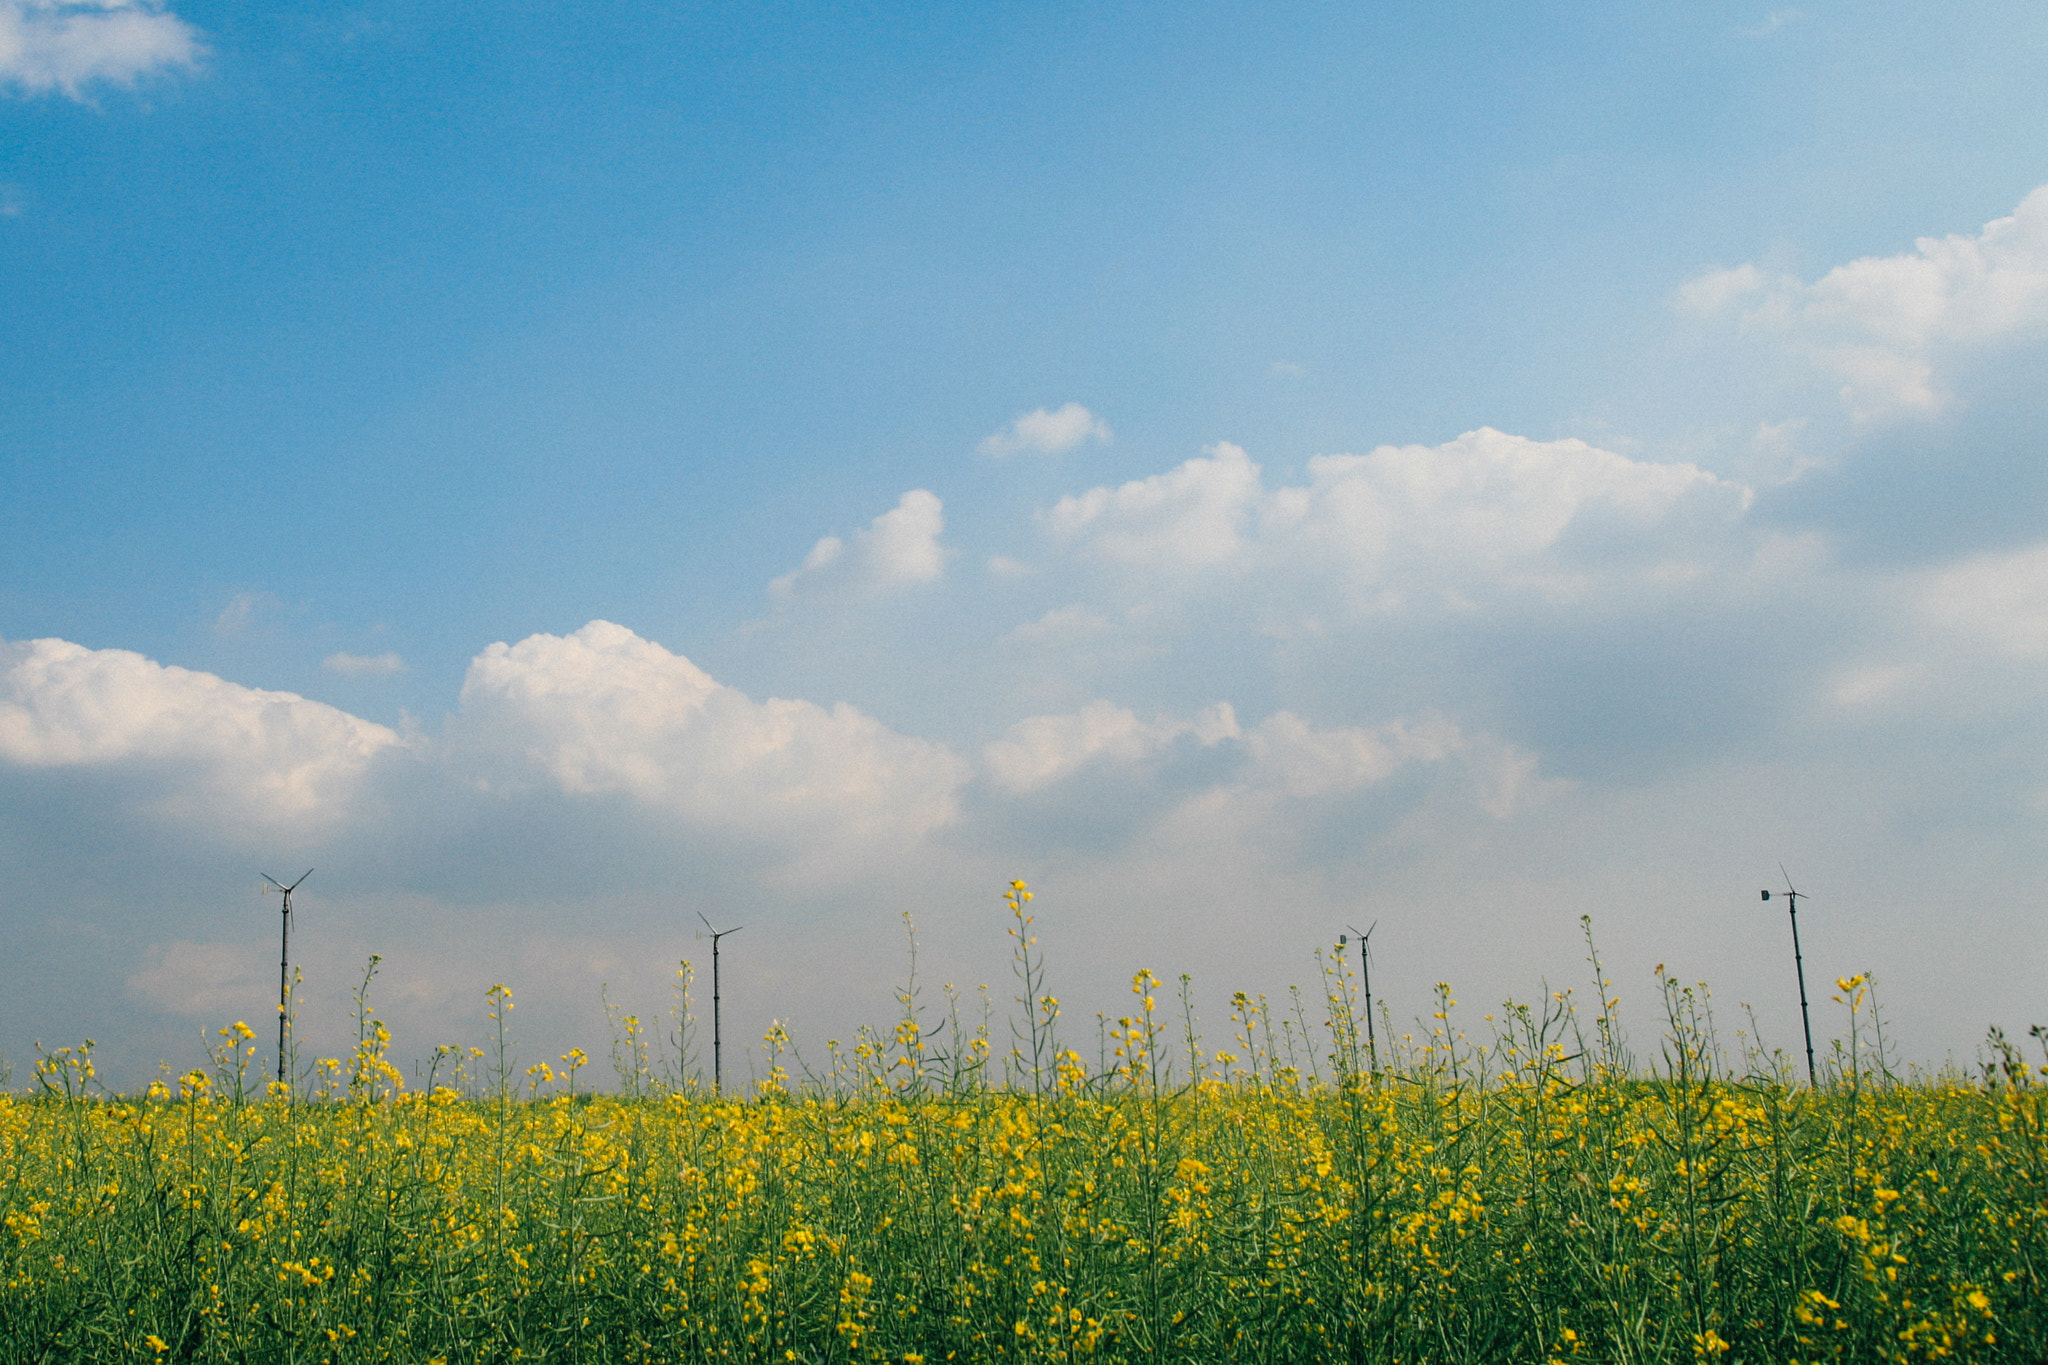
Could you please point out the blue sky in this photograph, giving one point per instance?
(1246, 469)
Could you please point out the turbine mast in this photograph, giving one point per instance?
(1792, 896)
(284, 969)
(717, 1037)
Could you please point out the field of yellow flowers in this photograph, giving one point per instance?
(1539, 1198)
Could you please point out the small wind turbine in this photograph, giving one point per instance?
(717, 1041)
(1792, 896)
(284, 968)
(1365, 977)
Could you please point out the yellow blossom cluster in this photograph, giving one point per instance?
(1528, 1200)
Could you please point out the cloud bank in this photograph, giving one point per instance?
(603, 711)
(595, 714)
(1487, 506)
(1283, 756)
(1889, 328)
(192, 746)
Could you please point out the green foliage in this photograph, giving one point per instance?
(1528, 1199)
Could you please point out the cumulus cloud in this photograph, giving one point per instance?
(598, 714)
(1487, 499)
(196, 745)
(1887, 326)
(1047, 432)
(67, 46)
(1042, 750)
(1289, 754)
(604, 711)
(364, 665)
(1188, 517)
(1487, 503)
(899, 547)
(1283, 756)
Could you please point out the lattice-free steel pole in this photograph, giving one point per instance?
(1799, 966)
(284, 972)
(284, 967)
(717, 1035)
(1372, 1050)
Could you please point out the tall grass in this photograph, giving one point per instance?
(1540, 1196)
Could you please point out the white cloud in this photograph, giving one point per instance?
(1041, 750)
(68, 45)
(1287, 753)
(902, 545)
(1717, 289)
(364, 665)
(1778, 452)
(899, 547)
(1047, 432)
(1486, 499)
(1961, 639)
(241, 612)
(1185, 518)
(604, 711)
(1886, 326)
(197, 745)
(1486, 504)
(1999, 601)
(598, 713)
(1061, 625)
(1284, 756)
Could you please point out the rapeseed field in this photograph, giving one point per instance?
(942, 1194)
